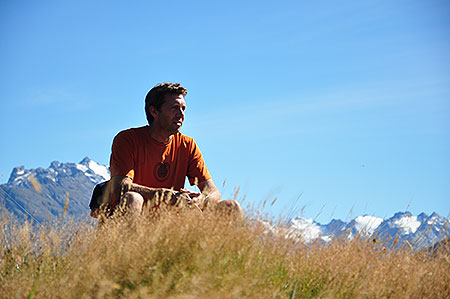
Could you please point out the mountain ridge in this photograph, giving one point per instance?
(41, 193)
(419, 231)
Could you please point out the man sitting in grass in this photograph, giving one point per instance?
(149, 164)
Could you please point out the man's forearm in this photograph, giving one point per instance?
(210, 193)
(213, 196)
(156, 196)
(121, 185)
(147, 192)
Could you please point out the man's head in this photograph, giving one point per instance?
(156, 97)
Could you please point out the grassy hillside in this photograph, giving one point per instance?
(195, 255)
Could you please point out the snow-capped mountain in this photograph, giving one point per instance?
(419, 231)
(58, 171)
(40, 194)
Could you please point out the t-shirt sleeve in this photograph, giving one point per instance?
(122, 155)
(197, 171)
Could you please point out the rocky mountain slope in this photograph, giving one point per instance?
(40, 194)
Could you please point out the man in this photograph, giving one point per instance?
(151, 163)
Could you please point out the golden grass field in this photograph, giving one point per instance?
(204, 255)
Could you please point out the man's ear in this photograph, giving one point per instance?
(153, 111)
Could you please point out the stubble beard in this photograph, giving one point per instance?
(173, 129)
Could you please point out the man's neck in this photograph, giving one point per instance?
(159, 135)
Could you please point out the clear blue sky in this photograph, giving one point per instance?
(346, 103)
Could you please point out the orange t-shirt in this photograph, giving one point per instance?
(158, 165)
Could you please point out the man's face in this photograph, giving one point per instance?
(171, 115)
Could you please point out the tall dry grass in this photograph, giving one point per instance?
(194, 255)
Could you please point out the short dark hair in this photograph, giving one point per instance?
(156, 96)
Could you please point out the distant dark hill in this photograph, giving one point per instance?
(40, 194)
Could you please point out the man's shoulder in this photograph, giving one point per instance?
(132, 132)
(184, 139)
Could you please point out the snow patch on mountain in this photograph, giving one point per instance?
(408, 224)
(93, 170)
(366, 225)
(306, 228)
(99, 169)
(435, 219)
(21, 177)
(82, 167)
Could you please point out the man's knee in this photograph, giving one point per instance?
(132, 202)
(230, 207)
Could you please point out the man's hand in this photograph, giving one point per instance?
(210, 192)
(178, 198)
(197, 199)
(193, 196)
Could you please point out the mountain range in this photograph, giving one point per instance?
(399, 230)
(41, 195)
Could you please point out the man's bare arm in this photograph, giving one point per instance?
(209, 191)
(122, 184)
